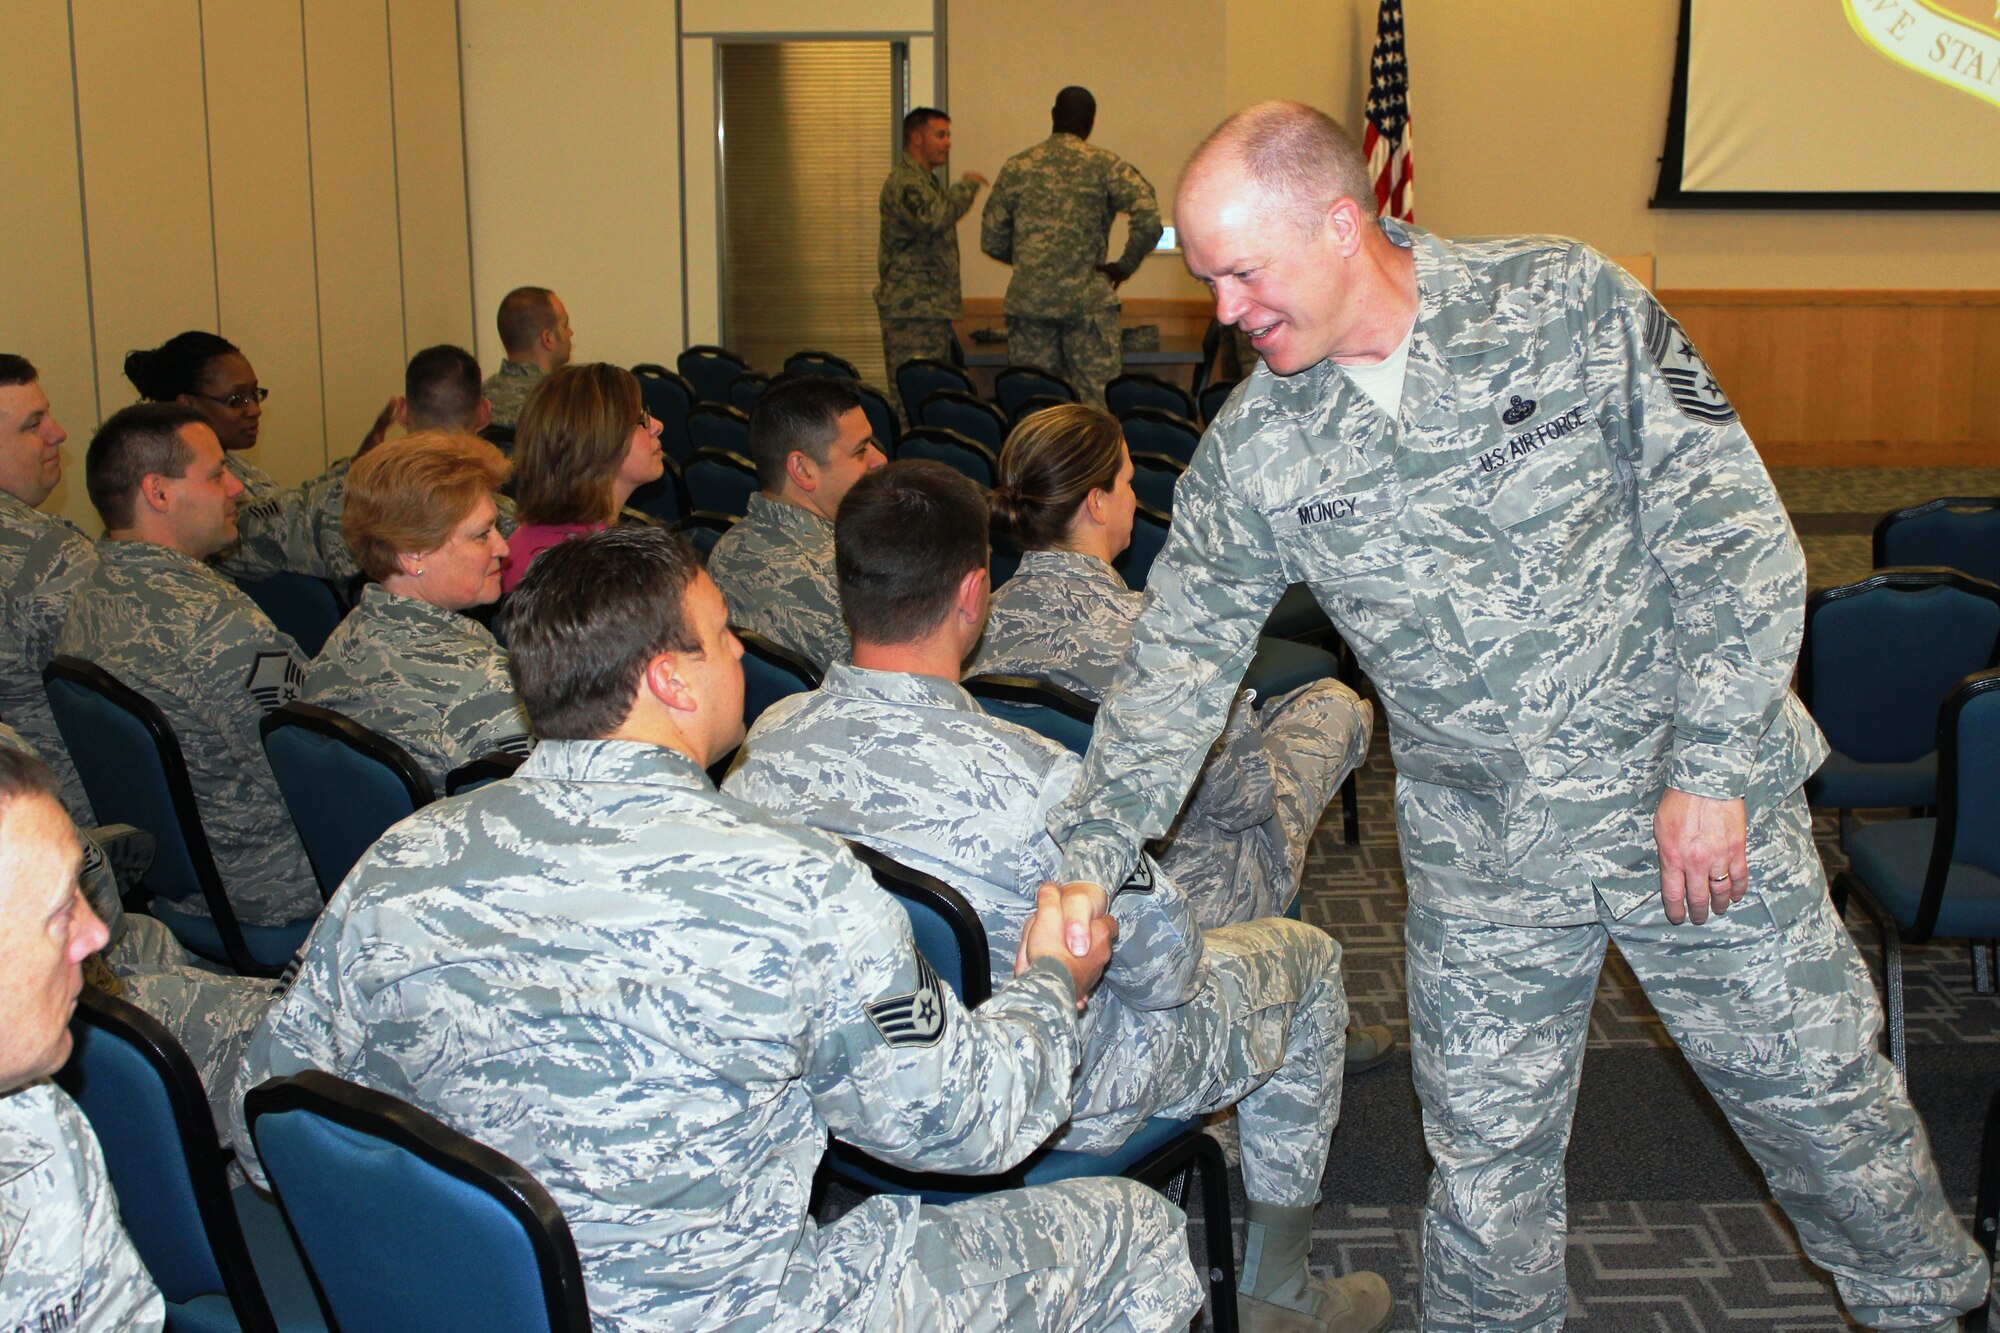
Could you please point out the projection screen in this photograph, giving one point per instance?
(1834, 104)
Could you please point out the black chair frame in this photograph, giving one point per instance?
(956, 370)
(945, 435)
(325, 722)
(396, 1122)
(1028, 690)
(167, 748)
(1195, 1151)
(1879, 539)
(824, 361)
(194, 1125)
(778, 655)
(493, 766)
(1155, 383)
(1211, 343)
(1007, 374)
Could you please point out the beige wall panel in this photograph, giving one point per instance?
(430, 173)
(1156, 67)
(354, 211)
(1311, 51)
(264, 221)
(145, 178)
(45, 315)
(806, 16)
(698, 140)
(573, 169)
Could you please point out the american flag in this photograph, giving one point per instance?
(1389, 142)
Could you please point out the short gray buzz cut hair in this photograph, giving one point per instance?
(1299, 156)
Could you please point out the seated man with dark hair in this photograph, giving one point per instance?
(163, 622)
(441, 391)
(659, 1000)
(535, 333)
(811, 441)
(893, 752)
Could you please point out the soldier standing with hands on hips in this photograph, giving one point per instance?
(1512, 483)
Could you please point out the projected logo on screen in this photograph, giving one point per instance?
(1956, 42)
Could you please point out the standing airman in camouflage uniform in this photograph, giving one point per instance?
(1050, 217)
(1239, 845)
(65, 1261)
(43, 557)
(431, 680)
(917, 296)
(1556, 552)
(757, 990)
(168, 626)
(810, 440)
(891, 751)
(535, 333)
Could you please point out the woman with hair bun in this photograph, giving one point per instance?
(279, 529)
(1065, 498)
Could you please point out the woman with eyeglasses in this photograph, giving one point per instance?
(583, 443)
(295, 529)
(1065, 498)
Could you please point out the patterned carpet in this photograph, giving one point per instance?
(1670, 1227)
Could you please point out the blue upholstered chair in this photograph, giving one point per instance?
(719, 481)
(704, 527)
(1924, 877)
(821, 363)
(1879, 656)
(1962, 532)
(1205, 369)
(1015, 384)
(1149, 430)
(665, 499)
(494, 766)
(746, 389)
(970, 457)
(1215, 397)
(921, 376)
(221, 1260)
(1149, 536)
(1135, 389)
(343, 784)
(709, 369)
(881, 418)
(669, 397)
(1033, 403)
(771, 672)
(1154, 477)
(302, 606)
(968, 414)
(408, 1224)
(133, 772)
(1041, 706)
(718, 426)
(950, 937)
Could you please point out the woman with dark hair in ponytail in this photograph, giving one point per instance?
(280, 529)
(1065, 498)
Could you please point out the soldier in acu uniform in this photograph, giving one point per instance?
(659, 1000)
(43, 558)
(891, 751)
(168, 626)
(917, 296)
(1511, 482)
(1050, 217)
(811, 441)
(65, 1261)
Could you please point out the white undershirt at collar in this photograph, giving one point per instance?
(1383, 381)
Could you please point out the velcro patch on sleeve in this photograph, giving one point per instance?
(915, 1019)
(1688, 377)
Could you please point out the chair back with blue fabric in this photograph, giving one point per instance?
(1136, 389)
(720, 481)
(1878, 659)
(1211, 344)
(1151, 431)
(947, 930)
(921, 376)
(968, 414)
(669, 397)
(664, 500)
(1041, 706)
(145, 1103)
(970, 457)
(881, 419)
(746, 389)
(709, 369)
(407, 1223)
(1154, 477)
(1968, 835)
(821, 363)
(1149, 537)
(1017, 383)
(132, 769)
(771, 672)
(304, 607)
(343, 784)
(704, 528)
(1215, 397)
(1962, 532)
(718, 426)
(493, 766)
(1034, 403)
